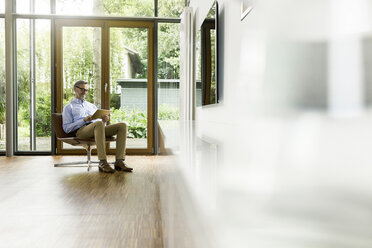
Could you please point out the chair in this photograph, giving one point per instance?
(88, 144)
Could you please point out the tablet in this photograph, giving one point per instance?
(98, 114)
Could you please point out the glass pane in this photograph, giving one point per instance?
(39, 7)
(34, 100)
(43, 86)
(168, 72)
(106, 7)
(212, 12)
(76, 7)
(128, 82)
(170, 8)
(23, 84)
(213, 92)
(81, 48)
(129, 7)
(2, 85)
(2, 6)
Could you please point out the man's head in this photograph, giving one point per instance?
(81, 89)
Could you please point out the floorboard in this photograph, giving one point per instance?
(43, 206)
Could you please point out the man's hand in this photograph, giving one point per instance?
(105, 118)
(88, 118)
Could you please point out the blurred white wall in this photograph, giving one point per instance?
(292, 56)
(291, 137)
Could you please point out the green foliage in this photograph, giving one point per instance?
(129, 7)
(79, 59)
(23, 70)
(213, 66)
(122, 42)
(171, 8)
(137, 121)
(169, 51)
(23, 97)
(168, 112)
(43, 116)
(115, 101)
(2, 99)
(23, 122)
(43, 98)
(137, 124)
(2, 74)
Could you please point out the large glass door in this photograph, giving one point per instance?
(130, 76)
(116, 59)
(78, 56)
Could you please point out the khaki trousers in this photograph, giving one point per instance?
(99, 132)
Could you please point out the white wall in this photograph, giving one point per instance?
(201, 9)
(293, 130)
(289, 57)
(294, 125)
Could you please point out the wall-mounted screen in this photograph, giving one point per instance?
(206, 59)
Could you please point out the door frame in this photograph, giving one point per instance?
(106, 24)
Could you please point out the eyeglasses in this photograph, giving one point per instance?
(84, 90)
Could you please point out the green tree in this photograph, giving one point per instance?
(43, 116)
(77, 60)
(2, 73)
(42, 80)
(170, 8)
(129, 7)
(80, 60)
(169, 51)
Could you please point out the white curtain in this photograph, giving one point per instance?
(187, 86)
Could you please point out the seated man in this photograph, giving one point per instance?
(77, 118)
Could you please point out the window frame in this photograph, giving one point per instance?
(10, 15)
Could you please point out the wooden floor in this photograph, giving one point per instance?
(43, 206)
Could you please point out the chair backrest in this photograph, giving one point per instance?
(57, 126)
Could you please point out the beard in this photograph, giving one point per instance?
(81, 96)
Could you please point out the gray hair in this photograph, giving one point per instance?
(79, 83)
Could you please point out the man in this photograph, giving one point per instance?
(77, 118)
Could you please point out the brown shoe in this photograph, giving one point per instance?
(103, 166)
(120, 165)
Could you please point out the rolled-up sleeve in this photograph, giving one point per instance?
(68, 120)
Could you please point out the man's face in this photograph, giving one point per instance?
(81, 91)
